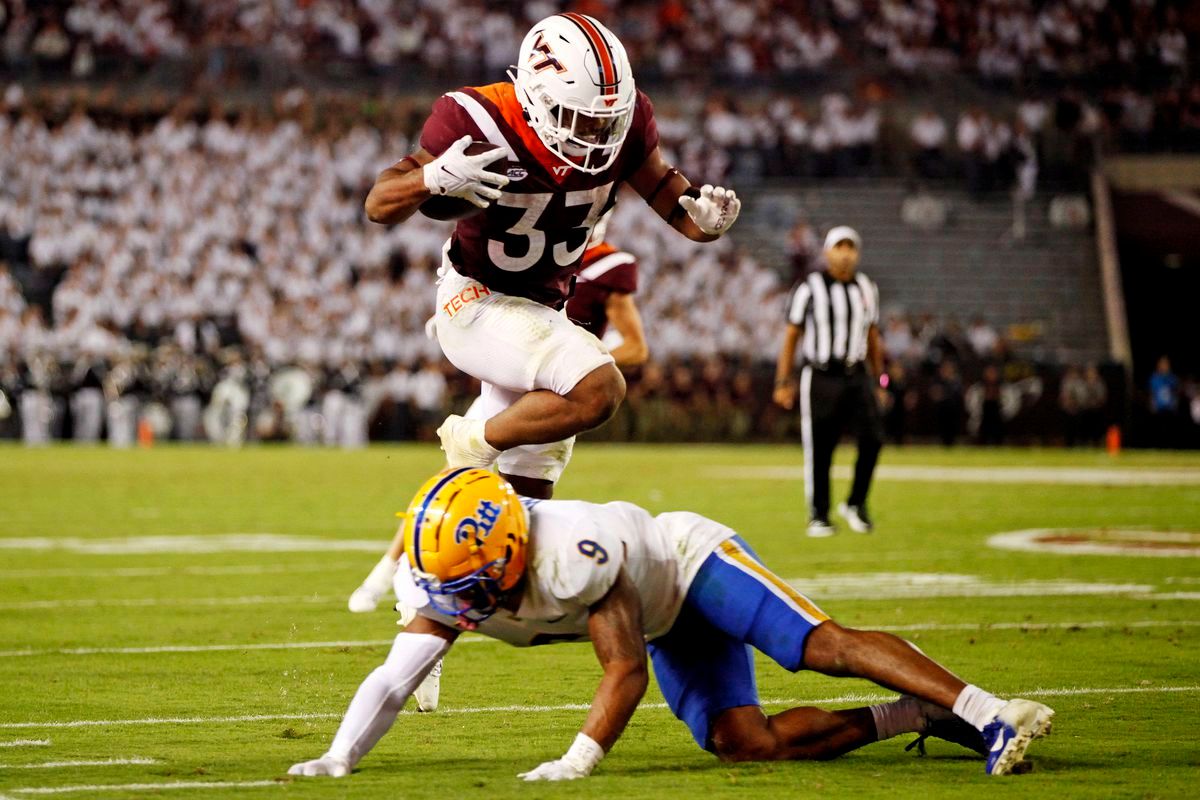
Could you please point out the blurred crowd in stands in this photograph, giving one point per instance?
(184, 266)
(1000, 40)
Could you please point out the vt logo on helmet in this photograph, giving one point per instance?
(574, 82)
(465, 534)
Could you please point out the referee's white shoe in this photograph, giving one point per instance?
(820, 528)
(856, 517)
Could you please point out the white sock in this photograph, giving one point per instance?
(902, 716)
(977, 706)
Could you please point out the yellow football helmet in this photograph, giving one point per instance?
(465, 533)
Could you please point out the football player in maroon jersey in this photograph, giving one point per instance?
(568, 130)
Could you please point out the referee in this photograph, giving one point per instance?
(834, 315)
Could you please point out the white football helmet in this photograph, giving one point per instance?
(574, 82)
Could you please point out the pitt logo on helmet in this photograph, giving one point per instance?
(465, 533)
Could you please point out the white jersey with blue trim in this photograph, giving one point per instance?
(576, 551)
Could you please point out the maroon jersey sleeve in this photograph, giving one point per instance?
(620, 277)
(447, 123)
(642, 138)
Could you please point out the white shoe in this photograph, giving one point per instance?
(820, 529)
(1007, 737)
(427, 693)
(463, 441)
(856, 517)
(367, 596)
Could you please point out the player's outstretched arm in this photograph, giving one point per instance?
(412, 180)
(702, 214)
(381, 696)
(615, 627)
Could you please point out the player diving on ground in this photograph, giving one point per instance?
(678, 590)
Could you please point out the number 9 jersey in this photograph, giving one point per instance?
(576, 551)
(530, 242)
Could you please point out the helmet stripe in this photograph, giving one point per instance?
(608, 71)
(421, 514)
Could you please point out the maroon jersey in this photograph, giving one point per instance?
(605, 270)
(530, 241)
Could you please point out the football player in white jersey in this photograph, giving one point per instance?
(686, 589)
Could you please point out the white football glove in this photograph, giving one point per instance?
(325, 765)
(578, 762)
(457, 174)
(714, 211)
(558, 770)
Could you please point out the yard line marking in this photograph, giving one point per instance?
(916, 626)
(1078, 476)
(149, 602)
(853, 697)
(26, 743)
(188, 543)
(192, 648)
(893, 585)
(156, 572)
(142, 787)
(103, 723)
(107, 762)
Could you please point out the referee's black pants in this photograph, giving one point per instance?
(832, 401)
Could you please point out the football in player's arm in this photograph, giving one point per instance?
(686, 588)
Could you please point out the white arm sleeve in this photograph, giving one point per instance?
(382, 695)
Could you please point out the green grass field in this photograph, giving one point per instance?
(208, 667)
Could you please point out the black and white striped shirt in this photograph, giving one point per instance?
(836, 317)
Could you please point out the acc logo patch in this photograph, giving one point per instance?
(480, 526)
(517, 173)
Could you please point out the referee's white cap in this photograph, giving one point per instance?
(840, 234)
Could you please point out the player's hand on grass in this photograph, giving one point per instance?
(578, 762)
(457, 174)
(327, 765)
(560, 770)
(714, 211)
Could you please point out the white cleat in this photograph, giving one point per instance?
(364, 599)
(1008, 735)
(427, 693)
(378, 583)
(463, 441)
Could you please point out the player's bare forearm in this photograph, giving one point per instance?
(398, 190)
(661, 186)
(615, 627)
(623, 315)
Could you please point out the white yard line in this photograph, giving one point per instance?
(142, 787)
(192, 648)
(26, 743)
(916, 626)
(151, 602)
(1074, 476)
(156, 572)
(854, 697)
(107, 762)
(189, 543)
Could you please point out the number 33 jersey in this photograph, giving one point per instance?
(530, 241)
(576, 552)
